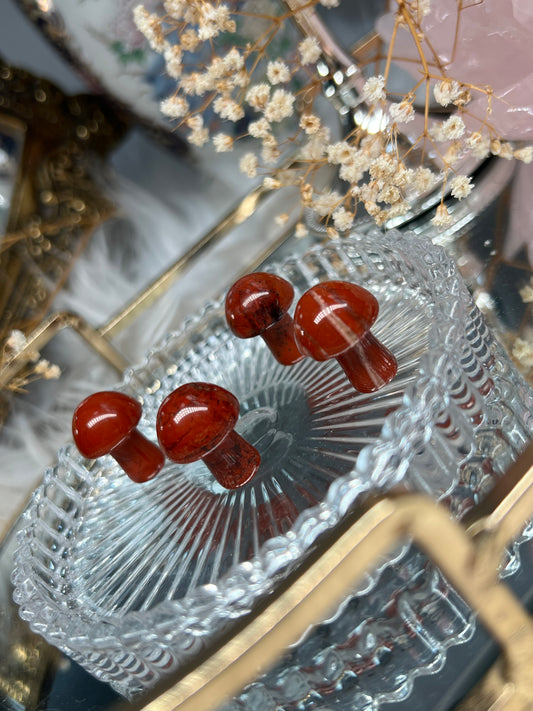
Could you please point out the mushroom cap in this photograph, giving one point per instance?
(194, 419)
(103, 420)
(257, 301)
(331, 317)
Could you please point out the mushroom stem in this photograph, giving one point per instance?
(233, 462)
(368, 364)
(140, 458)
(280, 340)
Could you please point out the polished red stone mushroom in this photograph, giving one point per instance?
(106, 423)
(333, 320)
(195, 422)
(258, 305)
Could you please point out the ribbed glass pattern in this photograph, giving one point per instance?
(130, 579)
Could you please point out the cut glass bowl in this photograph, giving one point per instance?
(130, 580)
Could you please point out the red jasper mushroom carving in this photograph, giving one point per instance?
(258, 305)
(196, 421)
(333, 320)
(106, 423)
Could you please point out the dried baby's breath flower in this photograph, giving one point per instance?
(233, 61)
(214, 20)
(453, 128)
(310, 123)
(446, 91)
(16, 341)
(309, 50)
(423, 8)
(502, 149)
(174, 61)
(300, 230)
(223, 142)
(47, 370)
(282, 219)
(384, 167)
(461, 186)
(175, 8)
(278, 72)
(390, 194)
(227, 108)
(454, 153)
(524, 154)
(151, 27)
(403, 176)
(526, 293)
(195, 122)
(342, 219)
(372, 145)
(332, 233)
(315, 148)
(248, 164)
(340, 152)
(33, 367)
(271, 183)
(523, 352)
(368, 192)
(351, 173)
(189, 40)
(175, 107)
(478, 144)
(270, 153)
(402, 112)
(324, 203)
(399, 209)
(306, 193)
(198, 137)
(279, 106)
(374, 89)
(442, 216)
(228, 82)
(258, 95)
(423, 179)
(495, 146)
(260, 128)
(373, 209)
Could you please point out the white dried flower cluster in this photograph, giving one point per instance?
(461, 186)
(523, 352)
(523, 347)
(248, 164)
(47, 370)
(309, 50)
(374, 89)
(251, 92)
(442, 216)
(16, 341)
(278, 72)
(402, 112)
(14, 345)
(447, 91)
(526, 293)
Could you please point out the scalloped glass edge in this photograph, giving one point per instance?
(194, 617)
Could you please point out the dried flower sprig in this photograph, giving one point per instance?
(36, 368)
(522, 346)
(233, 83)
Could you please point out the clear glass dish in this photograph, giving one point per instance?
(129, 580)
